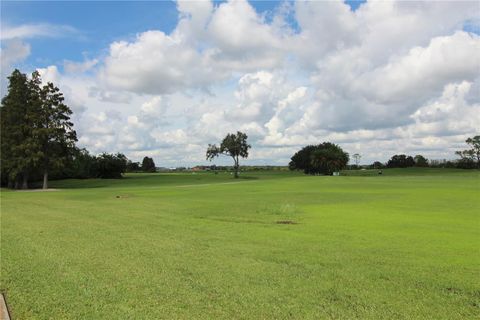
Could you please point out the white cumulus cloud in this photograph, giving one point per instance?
(390, 77)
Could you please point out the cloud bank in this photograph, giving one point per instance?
(387, 78)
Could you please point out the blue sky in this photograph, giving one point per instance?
(164, 79)
(98, 24)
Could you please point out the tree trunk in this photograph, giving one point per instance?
(236, 169)
(25, 181)
(45, 169)
(45, 179)
(17, 182)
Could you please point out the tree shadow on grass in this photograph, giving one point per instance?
(247, 178)
(146, 180)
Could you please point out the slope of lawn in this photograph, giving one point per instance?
(402, 245)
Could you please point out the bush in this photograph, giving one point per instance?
(111, 166)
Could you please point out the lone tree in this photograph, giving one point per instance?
(357, 158)
(324, 158)
(233, 145)
(148, 165)
(473, 154)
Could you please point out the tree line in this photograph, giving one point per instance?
(326, 158)
(38, 141)
(469, 159)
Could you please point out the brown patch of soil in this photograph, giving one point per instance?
(286, 222)
(122, 196)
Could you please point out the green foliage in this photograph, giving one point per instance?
(133, 166)
(420, 161)
(324, 158)
(82, 165)
(466, 163)
(301, 160)
(148, 165)
(377, 165)
(36, 129)
(54, 132)
(18, 151)
(233, 145)
(401, 161)
(111, 166)
(470, 158)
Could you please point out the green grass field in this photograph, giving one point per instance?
(402, 245)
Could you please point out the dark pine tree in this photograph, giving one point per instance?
(148, 165)
(19, 151)
(54, 130)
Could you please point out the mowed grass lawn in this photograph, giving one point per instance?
(402, 245)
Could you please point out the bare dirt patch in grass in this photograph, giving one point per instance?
(123, 196)
(286, 222)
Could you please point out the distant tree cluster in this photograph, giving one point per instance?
(133, 166)
(148, 165)
(324, 158)
(84, 165)
(377, 165)
(470, 158)
(420, 161)
(111, 166)
(401, 161)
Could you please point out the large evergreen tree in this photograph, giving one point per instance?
(54, 130)
(36, 131)
(18, 149)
